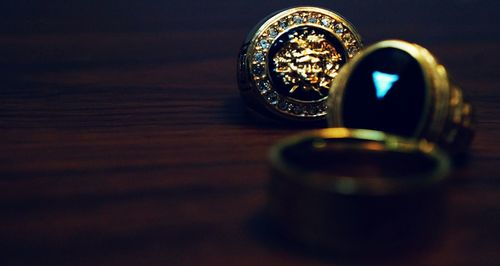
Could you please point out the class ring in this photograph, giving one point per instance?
(357, 190)
(400, 88)
(288, 62)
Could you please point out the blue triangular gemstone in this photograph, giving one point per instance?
(383, 82)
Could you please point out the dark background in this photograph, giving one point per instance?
(124, 141)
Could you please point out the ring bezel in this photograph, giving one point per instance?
(446, 113)
(254, 77)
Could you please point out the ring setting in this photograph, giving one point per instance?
(400, 88)
(288, 63)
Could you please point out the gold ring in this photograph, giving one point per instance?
(400, 88)
(288, 62)
(356, 189)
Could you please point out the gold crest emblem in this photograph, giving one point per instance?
(308, 62)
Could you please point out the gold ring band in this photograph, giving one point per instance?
(356, 190)
(400, 88)
(289, 60)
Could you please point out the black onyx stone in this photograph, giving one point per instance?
(284, 40)
(387, 92)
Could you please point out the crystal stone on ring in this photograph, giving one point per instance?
(386, 91)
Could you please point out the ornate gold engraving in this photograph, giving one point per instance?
(283, 75)
(308, 62)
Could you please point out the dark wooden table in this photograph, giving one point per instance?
(124, 141)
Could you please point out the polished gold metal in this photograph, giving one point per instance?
(302, 49)
(390, 191)
(308, 62)
(448, 118)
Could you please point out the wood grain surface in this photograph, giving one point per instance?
(124, 141)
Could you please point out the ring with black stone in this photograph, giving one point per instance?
(400, 88)
(357, 190)
(288, 62)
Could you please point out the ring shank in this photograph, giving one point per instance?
(459, 128)
(349, 213)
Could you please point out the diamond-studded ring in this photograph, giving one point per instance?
(400, 88)
(287, 64)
